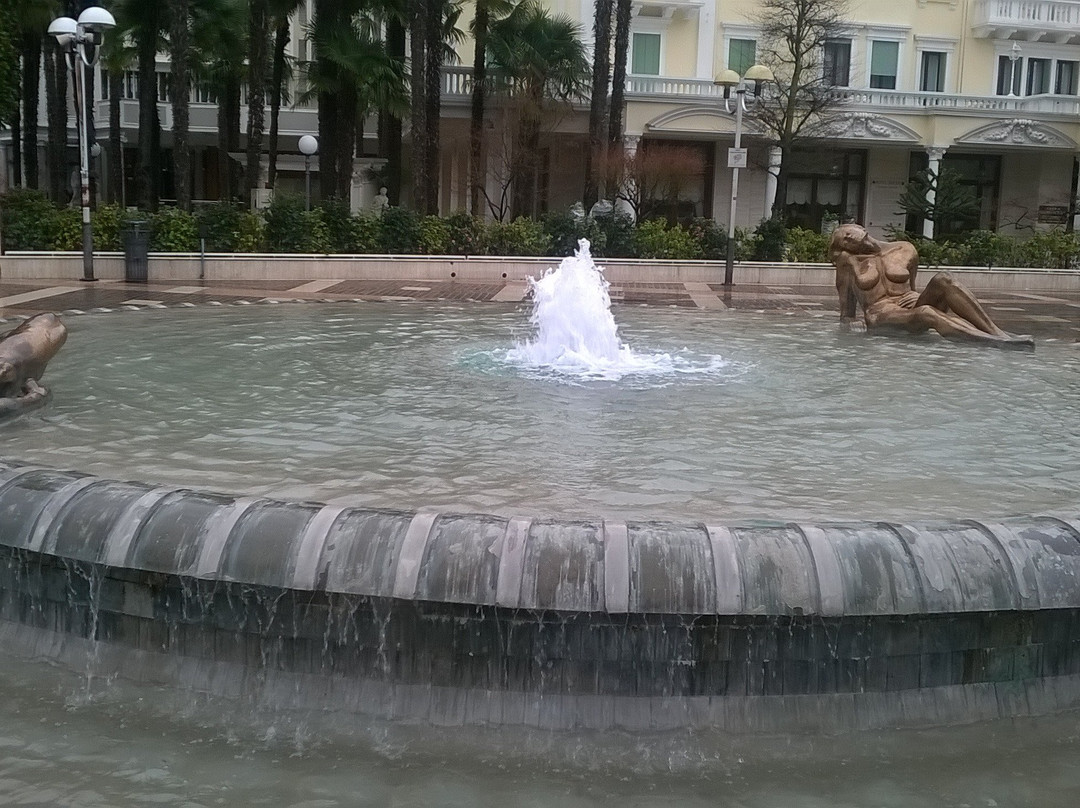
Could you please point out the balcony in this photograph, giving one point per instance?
(1028, 20)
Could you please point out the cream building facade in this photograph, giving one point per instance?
(988, 88)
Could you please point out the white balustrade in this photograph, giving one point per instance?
(1044, 15)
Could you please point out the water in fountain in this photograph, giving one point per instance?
(576, 337)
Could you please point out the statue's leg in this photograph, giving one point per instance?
(946, 294)
(951, 325)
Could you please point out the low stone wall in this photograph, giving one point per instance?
(459, 619)
(185, 268)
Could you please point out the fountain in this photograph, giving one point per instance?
(788, 621)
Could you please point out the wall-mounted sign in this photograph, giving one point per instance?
(1053, 214)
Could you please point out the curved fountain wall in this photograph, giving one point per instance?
(460, 619)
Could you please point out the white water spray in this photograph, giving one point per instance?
(576, 335)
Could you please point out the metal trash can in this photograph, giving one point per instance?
(136, 252)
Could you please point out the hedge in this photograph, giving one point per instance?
(31, 222)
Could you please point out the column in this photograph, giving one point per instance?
(935, 153)
(776, 155)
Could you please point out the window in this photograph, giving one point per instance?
(1066, 78)
(1038, 76)
(838, 63)
(932, 72)
(883, 59)
(645, 60)
(742, 53)
(1009, 72)
(129, 88)
(824, 184)
(202, 93)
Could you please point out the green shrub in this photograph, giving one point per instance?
(108, 222)
(465, 235)
(987, 249)
(340, 232)
(221, 223)
(771, 238)
(367, 233)
(806, 246)
(173, 230)
(250, 232)
(1052, 249)
(27, 219)
(434, 236)
(66, 229)
(291, 229)
(400, 231)
(711, 237)
(615, 235)
(747, 245)
(654, 239)
(519, 237)
(564, 230)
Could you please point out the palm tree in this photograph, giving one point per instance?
(486, 12)
(351, 75)
(441, 32)
(180, 56)
(280, 13)
(258, 63)
(219, 45)
(540, 57)
(618, 78)
(34, 17)
(598, 99)
(56, 116)
(143, 23)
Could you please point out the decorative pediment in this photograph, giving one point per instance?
(1019, 132)
(868, 126)
(699, 119)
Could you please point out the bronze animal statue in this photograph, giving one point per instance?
(24, 353)
(879, 276)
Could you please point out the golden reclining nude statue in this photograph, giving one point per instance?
(880, 277)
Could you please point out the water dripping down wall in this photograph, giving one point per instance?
(480, 619)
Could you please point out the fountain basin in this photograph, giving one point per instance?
(473, 619)
(824, 618)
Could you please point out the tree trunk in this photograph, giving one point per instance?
(116, 145)
(598, 101)
(345, 146)
(31, 84)
(277, 81)
(232, 134)
(432, 102)
(395, 46)
(16, 149)
(145, 177)
(477, 171)
(179, 48)
(60, 191)
(417, 64)
(258, 40)
(618, 79)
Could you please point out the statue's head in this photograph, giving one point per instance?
(852, 238)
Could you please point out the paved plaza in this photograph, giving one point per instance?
(1053, 315)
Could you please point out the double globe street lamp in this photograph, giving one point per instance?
(731, 80)
(81, 41)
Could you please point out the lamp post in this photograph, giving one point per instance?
(730, 79)
(81, 40)
(309, 145)
(1014, 55)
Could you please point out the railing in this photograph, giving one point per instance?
(1046, 15)
(896, 100)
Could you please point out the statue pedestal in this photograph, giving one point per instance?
(363, 189)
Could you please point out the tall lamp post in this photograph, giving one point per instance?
(81, 40)
(309, 145)
(730, 79)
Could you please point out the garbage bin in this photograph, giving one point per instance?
(136, 252)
